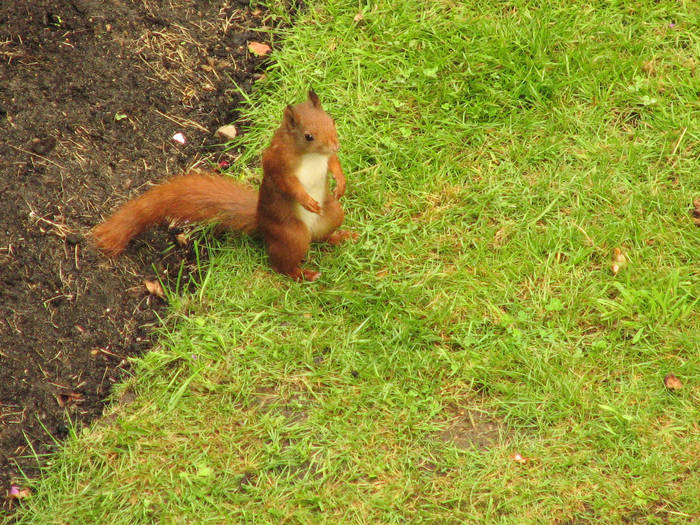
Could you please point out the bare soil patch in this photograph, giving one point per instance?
(469, 429)
(91, 94)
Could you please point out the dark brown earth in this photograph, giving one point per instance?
(91, 94)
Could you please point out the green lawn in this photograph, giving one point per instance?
(497, 153)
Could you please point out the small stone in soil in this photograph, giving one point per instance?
(43, 146)
(228, 132)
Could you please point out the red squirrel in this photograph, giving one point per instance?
(293, 207)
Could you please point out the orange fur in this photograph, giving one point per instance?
(195, 197)
(306, 135)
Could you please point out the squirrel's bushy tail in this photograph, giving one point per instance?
(194, 197)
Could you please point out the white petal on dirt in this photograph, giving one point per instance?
(179, 137)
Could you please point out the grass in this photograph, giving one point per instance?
(497, 153)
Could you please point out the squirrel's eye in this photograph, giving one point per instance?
(309, 137)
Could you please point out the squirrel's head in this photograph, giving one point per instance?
(311, 128)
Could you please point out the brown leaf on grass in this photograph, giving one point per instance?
(619, 261)
(672, 382)
(696, 211)
(154, 288)
(649, 67)
(358, 17)
(499, 237)
(258, 48)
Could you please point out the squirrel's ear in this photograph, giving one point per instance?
(313, 98)
(289, 117)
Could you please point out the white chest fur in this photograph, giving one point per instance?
(313, 175)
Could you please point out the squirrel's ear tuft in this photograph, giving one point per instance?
(313, 98)
(289, 116)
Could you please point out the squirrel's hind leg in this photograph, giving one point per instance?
(326, 230)
(287, 245)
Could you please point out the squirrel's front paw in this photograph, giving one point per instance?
(312, 205)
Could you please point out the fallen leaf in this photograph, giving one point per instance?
(696, 211)
(619, 261)
(649, 67)
(258, 48)
(154, 288)
(359, 16)
(181, 239)
(498, 237)
(672, 382)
